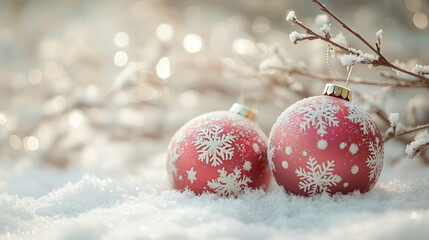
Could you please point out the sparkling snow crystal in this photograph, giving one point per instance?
(318, 178)
(375, 161)
(358, 116)
(213, 146)
(319, 115)
(229, 184)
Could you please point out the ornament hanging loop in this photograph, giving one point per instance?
(328, 49)
(350, 68)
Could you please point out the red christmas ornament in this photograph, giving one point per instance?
(325, 144)
(219, 152)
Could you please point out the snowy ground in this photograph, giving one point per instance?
(39, 203)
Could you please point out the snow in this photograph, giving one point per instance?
(340, 39)
(394, 119)
(138, 206)
(420, 142)
(357, 56)
(421, 69)
(295, 36)
(322, 22)
(291, 17)
(379, 34)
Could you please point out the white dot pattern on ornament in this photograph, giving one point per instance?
(304, 153)
(256, 148)
(343, 145)
(285, 164)
(288, 150)
(247, 165)
(353, 148)
(322, 144)
(346, 184)
(355, 169)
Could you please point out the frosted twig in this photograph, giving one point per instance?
(356, 56)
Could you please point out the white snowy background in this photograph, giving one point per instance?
(92, 91)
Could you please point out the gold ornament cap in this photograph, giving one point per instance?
(338, 91)
(243, 110)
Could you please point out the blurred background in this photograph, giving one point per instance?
(103, 85)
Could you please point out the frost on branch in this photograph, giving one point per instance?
(379, 35)
(421, 70)
(340, 39)
(357, 56)
(394, 119)
(291, 17)
(322, 22)
(295, 36)
(418, 145)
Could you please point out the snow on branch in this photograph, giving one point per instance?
(379, 35)
(295, 37)
(353, 56)
(418, 145)
(291, 17)
(322, 22)
(421, 70)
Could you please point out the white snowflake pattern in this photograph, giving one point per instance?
(375, 160)
(356, 115)
(173, 156)
(191, 175)
(318, 178)
(319, 115)
(213, 146)
(270, 154)
(229, 184)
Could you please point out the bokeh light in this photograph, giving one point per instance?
(121, 39)
(121, 59)
(163, 68)
(164, 32)
(192, 43)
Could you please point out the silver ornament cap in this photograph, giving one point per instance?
(243, 110)
(338, 91)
